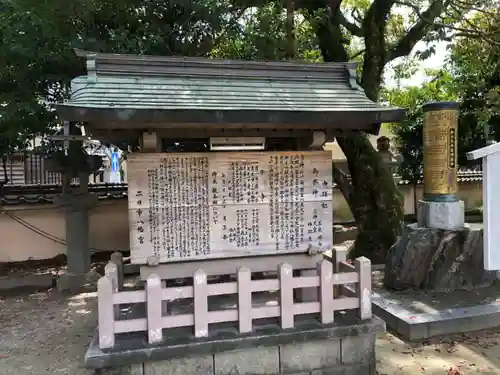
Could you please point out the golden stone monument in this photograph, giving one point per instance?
(440, 208)
(440, 151)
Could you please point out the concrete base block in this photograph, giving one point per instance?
(344, 348)
(255, 361)
(363, 369)
(441, 215)
(311, 355)
(418, 326)
(200, 365)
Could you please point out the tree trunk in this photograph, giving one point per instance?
(290, 30)
(372, 196)
(374, 199)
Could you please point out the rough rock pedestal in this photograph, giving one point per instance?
(429, 258)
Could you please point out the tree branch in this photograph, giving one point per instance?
(350, 26)
(426, 20)
(359, 53)
(374, 26)
(331, 40)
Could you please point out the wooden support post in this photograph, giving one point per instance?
(154, 307)
(111, 272)
(364, 287)
(200, 293)
(245, 299)
(326, 288)
(105, 312)
(117, 258)
(286, 300)
(150, 142)
(338, 255)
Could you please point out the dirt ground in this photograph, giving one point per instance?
(47, 333)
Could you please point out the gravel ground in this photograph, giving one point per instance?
(48, 333)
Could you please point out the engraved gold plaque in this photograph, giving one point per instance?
(440, 152)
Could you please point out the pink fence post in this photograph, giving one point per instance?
(364, 287)
(105, 311)
(117, 258)
(338, 255)
(200, 293)
(286, 290)
(245, 299)
(326, 291)
(111, 271)
(153, 306)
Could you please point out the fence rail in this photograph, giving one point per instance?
(30, 169)
(156, 298)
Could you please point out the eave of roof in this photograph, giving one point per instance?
(130, 88)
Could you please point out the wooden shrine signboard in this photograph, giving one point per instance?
(187, 206)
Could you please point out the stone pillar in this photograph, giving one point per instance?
(76, 205)
(440, 208)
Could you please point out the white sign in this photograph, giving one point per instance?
(491, 203)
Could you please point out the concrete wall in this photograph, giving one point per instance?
(109, 224)
(470, 193)
(108, 230)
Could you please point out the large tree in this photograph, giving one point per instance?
(383, 33)
(38, 37)
(475, 66)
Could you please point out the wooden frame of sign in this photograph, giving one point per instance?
(195, 206)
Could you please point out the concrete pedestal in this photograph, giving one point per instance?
(346, 347)
(441, 215)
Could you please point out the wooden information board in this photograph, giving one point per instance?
(187, 206)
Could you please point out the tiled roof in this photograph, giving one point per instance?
(128, 84)
(39, 194)
(463, 177)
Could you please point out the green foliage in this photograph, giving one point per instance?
(475, 65)
(472, 77)
(38, 38)
(409, 137)
(261, 35)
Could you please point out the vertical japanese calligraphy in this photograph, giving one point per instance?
(440, 152)
(217, 205)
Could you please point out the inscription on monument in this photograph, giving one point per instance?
(440, 152)
(217, 205)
